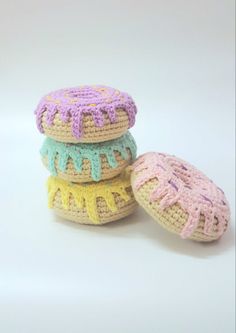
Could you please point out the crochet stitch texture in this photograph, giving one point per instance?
(73, 103)
(181, 183)
(86, 194)
(78, 152)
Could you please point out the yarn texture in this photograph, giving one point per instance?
(62, 152)
(73, 104)
(86, 195)
(172, 182)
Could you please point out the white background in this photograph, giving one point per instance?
(176, 58)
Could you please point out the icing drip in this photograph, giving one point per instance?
(85, 195)
(179, 182)
(74, 103)
(78, 152)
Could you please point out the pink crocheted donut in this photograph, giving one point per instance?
(180, 197)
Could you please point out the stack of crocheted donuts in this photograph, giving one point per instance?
(87, 150)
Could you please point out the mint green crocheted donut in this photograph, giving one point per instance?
(88, 162)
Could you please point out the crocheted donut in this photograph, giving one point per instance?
(85, 114)
(181, 198)
(92, 203)
(83, 162)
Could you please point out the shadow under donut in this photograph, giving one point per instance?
(141, 225)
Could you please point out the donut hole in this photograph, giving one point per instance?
(83, 93)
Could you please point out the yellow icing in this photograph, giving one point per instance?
(86, 194)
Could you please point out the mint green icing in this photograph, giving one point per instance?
(92, 151)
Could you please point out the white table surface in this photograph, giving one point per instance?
(131, 276)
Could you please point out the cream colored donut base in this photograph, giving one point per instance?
(61, 131)
(173, 218)
(125, 208)
(107, 172)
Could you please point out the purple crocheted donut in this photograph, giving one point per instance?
(72, 105)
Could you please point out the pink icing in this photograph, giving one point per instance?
(73, 103)
(180, 182)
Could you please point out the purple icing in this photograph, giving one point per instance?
(207, 199)
(183, 167)
(73, 103)
(173, 185)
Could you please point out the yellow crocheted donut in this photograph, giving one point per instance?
(92, 203)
